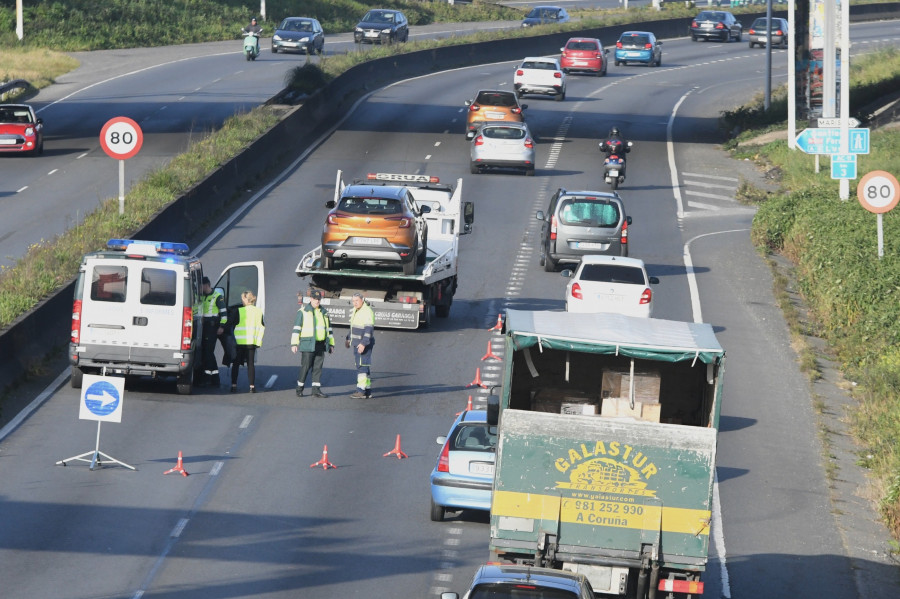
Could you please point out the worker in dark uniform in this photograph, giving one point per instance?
(215, 318)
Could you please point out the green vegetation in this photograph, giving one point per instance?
(852, 296)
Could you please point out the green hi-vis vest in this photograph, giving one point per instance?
(250, 328)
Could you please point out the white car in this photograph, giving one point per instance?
(610, 284)
(540, 75)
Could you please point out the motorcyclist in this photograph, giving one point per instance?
(615, 143)
(255, 29)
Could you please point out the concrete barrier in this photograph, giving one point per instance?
(46, 328)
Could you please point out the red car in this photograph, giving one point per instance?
(20, 129)
(584, 55)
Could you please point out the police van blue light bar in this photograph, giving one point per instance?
(160, 247)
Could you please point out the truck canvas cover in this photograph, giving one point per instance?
(601, 490)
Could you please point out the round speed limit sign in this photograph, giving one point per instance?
(878, 192)
(121, 138)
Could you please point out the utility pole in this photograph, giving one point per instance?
(792, 76)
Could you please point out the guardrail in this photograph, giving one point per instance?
(46, 327)
(5, 88)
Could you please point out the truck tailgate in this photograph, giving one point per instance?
(605, 487)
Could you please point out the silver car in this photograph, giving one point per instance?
(502, 145)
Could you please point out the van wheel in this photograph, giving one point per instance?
(77, 377)
(437, 512)
(549, 264)
(185, 383)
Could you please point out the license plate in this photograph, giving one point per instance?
(580, 63)
(590, 245)
(495, 115)
(7, 142)
(367, 240)
(633, 54)
(613, 173)
(481, 468)
(372, 34)
(609, 298)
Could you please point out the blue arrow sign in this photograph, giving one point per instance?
(101, 398)
(828, 141)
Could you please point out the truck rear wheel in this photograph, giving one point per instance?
(185, 383)
(442, 311)
(437, 512)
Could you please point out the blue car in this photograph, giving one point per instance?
(463, 477)
(638, 46)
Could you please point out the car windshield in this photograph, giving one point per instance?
(539, 64)
(356, 205)
(496, 99)
(635, 40)
(589, 213)
(543, 13)
(612, 273)
(474, 437)
(296, 26)
(14, 115)
(510, 590)
(378, 16)
(589, 46)
(503, 132)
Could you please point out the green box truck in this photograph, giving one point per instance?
(606, 453)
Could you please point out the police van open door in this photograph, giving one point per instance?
(238, 278)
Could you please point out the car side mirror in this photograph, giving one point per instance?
(468, 102)
(567, 273)
(441, 440)
(424, 209)
(654, 280)
(470, 135)
(562, 49)
(606, 50)
(539, 215)
(330, 204)
(468, 215)
(628, 219)
(524, 106)
(40, 121)
(493, 409)
(658, 43)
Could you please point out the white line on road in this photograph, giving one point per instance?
(712, 196)
(246, 422)
(716, 177)
(670, 149)
(709, 185)
(21, 189)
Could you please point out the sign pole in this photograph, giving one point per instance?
(880, 236)
(121, 187)
(844, 189)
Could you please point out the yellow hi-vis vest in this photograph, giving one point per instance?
(250, 328)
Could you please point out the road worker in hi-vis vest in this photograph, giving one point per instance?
(248, 334)
(312, 337)
(361, 339)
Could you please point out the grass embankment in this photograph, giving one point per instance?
(852, 296)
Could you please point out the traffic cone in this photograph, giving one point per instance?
(477, 382)
(179, 467)
(324, 463)
(396, 450)
(499, 325)
(490, 354)
(468, 406)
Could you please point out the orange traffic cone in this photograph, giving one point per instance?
(499, 325)
(477, 382)
(396, 450)
(324, 463)
(179, 467)
(468, 406)
(490, 354)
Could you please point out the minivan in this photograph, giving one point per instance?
(136, 310)
(578, 223)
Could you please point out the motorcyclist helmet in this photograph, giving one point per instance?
(614, 132)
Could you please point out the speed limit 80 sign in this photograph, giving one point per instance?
(878, 192)
(121, 138)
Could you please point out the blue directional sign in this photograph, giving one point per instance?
(843, 166)
(101, 398)
(828, 141)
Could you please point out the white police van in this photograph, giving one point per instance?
(136, 310)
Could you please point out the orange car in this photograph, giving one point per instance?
(381, 223)
(491, 105)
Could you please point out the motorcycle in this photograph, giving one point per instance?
(251, 45)
(614, 163)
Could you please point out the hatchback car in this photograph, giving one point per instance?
(716, 24)
(21, 131)
(502, 145)
(759, 32)
(492, 105)
(638, 46)
(381, 26)
(464, 474)
(540, 75)
(583, 55)
(578, 223)
(545, 15)
(610, 284)
(375, 223)
(298, 34)
(523, 582)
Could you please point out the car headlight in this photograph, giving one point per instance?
(388, 30)
(276, 38)
(358, 30)
(304, 39)
(29, 131)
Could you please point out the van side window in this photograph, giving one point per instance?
(108, 283)
(158, 287)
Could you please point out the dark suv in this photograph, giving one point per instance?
(382, 26)
(578, 223)
(522, 582)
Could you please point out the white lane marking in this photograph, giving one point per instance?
(53, 171)
(709, 185)
(716, 177)
(217, 467)
(79, 157)
(246, 422)
(179, 528)
(427, 156)
(712, 196)
(670, 149)
(21, 189)
(271, 381)
(700, 206)
(437, 143)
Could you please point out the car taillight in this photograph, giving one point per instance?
(444, 460)
(333, 219)
(76, 321)
(553, 227)
(520, 72)
(187, 328)
(624, 232)
(529, 143)
(598, 55)
(557, 75)
(720, 25)
(647, 296)
(474, 107)
(779, 32)
(516, 110)
(752, 31)
(693, 587)
(479, 141)
(576, 291)
(405, 222)
(618, 44)
(647, 46)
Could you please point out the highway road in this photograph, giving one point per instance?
(253, 519)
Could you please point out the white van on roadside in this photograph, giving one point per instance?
(136, 310)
